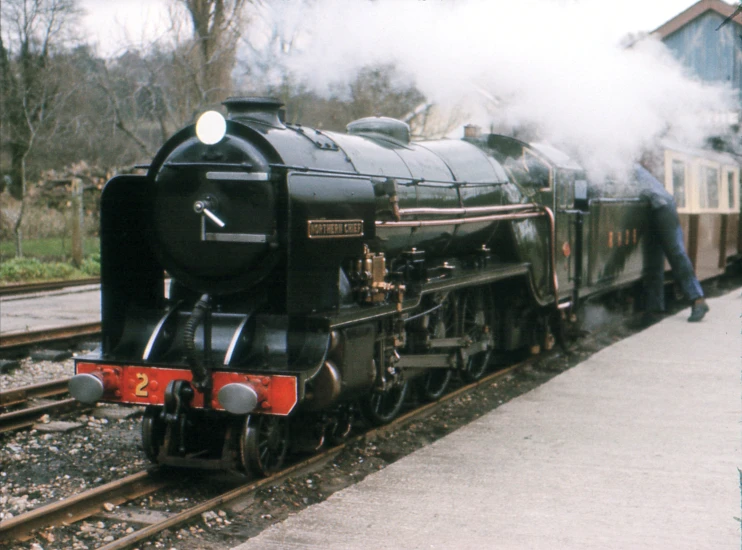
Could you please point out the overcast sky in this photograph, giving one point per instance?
(489, 60)
(111, 22)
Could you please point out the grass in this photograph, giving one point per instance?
(48, 249)
(28, 270)
(47, 260)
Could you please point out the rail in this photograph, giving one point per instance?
(23, 418)
(91, 502)
(29, 288)
(19, 339)
(421, 412)
(23, 394)
(82, 505)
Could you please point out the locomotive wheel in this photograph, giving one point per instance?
(264, 441)
(153, 433)
(433, 384)
(379, 408)
(476, 325)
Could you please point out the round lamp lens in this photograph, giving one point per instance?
(211, 127)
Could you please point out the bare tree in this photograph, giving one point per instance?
(33, 30)
(216, 31)
(381, 89)
(151, 90)
(124, 111)
(278, 31)
(430, 121)
(272, 33)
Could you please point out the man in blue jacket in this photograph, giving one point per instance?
(666, 240)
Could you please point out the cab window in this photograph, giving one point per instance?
(538, 170)
(517, 170)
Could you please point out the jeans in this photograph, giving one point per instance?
(665, 239)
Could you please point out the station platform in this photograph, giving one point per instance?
(638, 447)
(47, 310)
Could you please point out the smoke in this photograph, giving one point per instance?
(596, 317)
(545, 65)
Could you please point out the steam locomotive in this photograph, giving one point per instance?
(264, 281)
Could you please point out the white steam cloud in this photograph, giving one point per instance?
(546, 65)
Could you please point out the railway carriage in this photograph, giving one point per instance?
(705, 185)
(316, 275)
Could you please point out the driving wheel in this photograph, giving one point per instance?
(441, 324)
(476, 326)
(381, 407)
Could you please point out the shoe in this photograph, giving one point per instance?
(699, 309)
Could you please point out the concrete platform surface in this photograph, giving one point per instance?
(48, 310)
(638, 447)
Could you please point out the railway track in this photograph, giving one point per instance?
(25, 417)
(25, 339)
(30, 288)
(83, 505)
(18, 339)
(23, 395)
(91, 502)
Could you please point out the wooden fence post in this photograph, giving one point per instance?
(77, 222)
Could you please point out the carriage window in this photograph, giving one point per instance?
(730, 188)
(709, 191)
(678, 182)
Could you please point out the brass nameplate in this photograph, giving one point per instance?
(328, 229)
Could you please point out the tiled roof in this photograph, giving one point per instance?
(696, 10)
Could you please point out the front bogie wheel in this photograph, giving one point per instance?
(153, 433)
(264, 442)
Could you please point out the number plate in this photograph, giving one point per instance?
(141, 385)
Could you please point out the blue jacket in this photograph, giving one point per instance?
(651, 189)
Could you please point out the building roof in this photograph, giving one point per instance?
(696, 10)
(716, 156)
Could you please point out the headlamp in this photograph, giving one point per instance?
(211, 127)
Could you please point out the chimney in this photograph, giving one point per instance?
(260, 110)
(472, 131)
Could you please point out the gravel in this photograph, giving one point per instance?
(38, 467)
(30, 372)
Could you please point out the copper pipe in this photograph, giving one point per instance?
(552, 239)
(536, 212)
(459, 221)
(465, 210)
